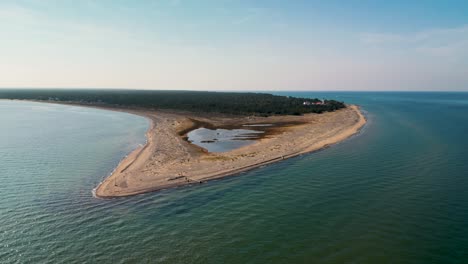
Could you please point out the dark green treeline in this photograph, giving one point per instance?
(238, 103)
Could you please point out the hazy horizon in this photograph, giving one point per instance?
(235, 45)
(224, 90)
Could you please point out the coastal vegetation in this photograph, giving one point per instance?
(237, 103)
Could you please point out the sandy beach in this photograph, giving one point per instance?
(168, 160)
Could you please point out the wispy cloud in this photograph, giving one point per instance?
(436, 42)
(175, 2)
(217, 43)
(251, 14)
(30, 20)
(16, 13)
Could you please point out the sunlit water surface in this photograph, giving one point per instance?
(396, 193)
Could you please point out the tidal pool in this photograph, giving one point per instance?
(221, 140)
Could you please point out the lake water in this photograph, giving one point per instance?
(221, 140)
(396, 193)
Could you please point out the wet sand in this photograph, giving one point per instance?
(168, 160)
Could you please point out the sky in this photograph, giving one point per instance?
(235, 44)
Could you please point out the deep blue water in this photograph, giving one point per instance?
(395, 193)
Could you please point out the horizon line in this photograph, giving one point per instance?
(216, 90)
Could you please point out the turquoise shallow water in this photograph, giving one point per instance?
(396, 193)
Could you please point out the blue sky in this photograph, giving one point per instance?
(235, 44)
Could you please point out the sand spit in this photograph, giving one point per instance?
(168, 160)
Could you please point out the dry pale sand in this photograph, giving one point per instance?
(167, 160)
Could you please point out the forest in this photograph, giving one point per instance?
(237, 103)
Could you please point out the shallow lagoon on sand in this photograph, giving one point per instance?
(221, 140)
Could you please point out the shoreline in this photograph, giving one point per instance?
(130, 158)
(167, 160)
(314, 148)
(112, 186)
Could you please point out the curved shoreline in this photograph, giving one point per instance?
(154, 177)
(129, 159)
(316, 147)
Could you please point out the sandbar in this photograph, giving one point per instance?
(168, 160)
